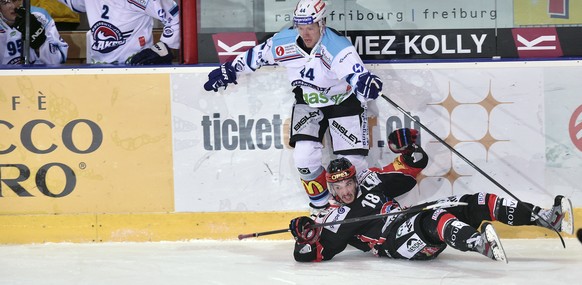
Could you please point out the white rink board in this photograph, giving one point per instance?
(504, 118)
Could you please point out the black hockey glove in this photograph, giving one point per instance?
(369, 86)
(37, 36)
(416, 158)
(300, 230)
(157, 54)
(221, 77)
(402, 140)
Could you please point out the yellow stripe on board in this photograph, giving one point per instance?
(87, 228)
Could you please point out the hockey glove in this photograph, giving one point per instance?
(369, 86)
(300, 230)
(37, 36)
(416, 158)
(221, 77)
(402, 140)
(157, 54)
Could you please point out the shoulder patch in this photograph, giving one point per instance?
(142, 4)
(284, 46)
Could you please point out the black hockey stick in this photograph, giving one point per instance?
(413, 209)
(468, 161)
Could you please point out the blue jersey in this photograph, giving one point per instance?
(327, 75)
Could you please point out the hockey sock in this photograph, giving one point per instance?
(315, 186)
(514, 213)
(460, 235)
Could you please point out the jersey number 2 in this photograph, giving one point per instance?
(105, 12)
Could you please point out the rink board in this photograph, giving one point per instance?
(147, 155)
(178, 227)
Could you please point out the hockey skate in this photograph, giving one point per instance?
(320, 212)
(316, 213)
(490, 245)
(560, 217)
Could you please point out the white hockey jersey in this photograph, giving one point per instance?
(53, 50)
(121, 28)
(327, 75)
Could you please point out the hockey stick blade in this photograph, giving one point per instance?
(453, 150)
(353, 220)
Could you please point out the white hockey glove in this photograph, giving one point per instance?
(157, 54)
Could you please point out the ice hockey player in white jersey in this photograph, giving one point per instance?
(331, 89)
(46, 45)
(121, 30)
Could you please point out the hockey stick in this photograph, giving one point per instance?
(467, 161)
(413, 209)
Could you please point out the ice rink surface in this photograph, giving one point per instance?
(539, 261)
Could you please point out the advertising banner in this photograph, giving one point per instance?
(549, 12)
(231, 152)
(563, 127)
(399, 15)
(85, 144)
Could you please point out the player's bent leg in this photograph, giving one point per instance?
(307, 156)
(462, 236)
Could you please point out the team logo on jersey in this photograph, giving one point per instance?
(405, 228)
(107, 37)
(336, 215)
(280, 51)
(162, 13)
(413, 245)
(168, 32)
(16, 60)
(285, 50)
(358, 68)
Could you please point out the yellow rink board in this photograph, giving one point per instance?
(87, 228)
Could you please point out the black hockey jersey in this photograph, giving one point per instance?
(376, 191)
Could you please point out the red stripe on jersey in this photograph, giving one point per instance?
(138, 3)
(441, 224)
(318, 252)
(491, 204)
(371, 241)
(287, 58)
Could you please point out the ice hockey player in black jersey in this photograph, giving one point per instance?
(418, 235)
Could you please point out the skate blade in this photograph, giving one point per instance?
(498, 251)
(568, 219)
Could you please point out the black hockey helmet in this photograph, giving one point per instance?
(340, 169)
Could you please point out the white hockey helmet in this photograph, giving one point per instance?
(309, 12)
